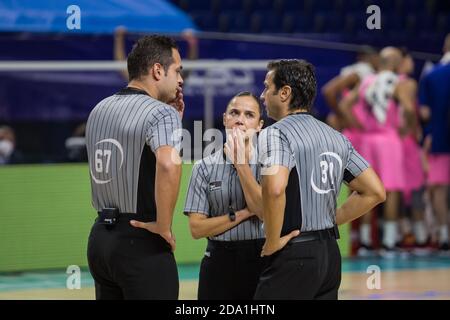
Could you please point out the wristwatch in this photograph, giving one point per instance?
(232, 215)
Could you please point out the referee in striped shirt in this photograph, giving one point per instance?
(223, 204)
(132, 143)
(304, 162)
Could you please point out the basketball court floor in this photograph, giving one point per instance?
(362, 279)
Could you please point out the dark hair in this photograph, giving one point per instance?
(405, 52)
(249, 94)
(366, 51)
(146, 52)
(299, 75)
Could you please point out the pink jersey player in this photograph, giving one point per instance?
(414, 173)
(381, 143)
(359, 113)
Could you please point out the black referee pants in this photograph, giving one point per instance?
(131, 263)
(230, 270)
(307, 270)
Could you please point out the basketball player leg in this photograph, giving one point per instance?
(439, 202)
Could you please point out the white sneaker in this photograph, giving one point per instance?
(365, 251)
(388, 253)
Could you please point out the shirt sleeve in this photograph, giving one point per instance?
(355, 166)
(165, 129)
(274, 149)
(197, 195)
(254, 165)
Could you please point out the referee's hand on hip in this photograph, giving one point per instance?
(269, 249)
(154, 228)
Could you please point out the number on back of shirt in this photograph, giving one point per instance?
(327, 170)
(102, 160)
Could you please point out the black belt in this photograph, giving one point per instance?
(111, 216)
(216, 244)
(327, 234)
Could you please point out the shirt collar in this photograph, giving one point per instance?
(132, 90)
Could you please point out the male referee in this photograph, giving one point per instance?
(304, 162)
(133, 146)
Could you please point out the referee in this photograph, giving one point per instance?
(132, 144)
(304, 162)
(223, 204)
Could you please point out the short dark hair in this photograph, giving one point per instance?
(249, 94)
(146, 52)
(299, 75)
(405, 52)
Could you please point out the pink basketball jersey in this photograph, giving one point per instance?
(381, 109)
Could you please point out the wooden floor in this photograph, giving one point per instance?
(425, 279)
(398, 285)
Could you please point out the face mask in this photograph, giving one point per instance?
(6, 148)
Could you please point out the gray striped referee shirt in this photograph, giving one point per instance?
(214, 185)
(122, 134)
(319, 159)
